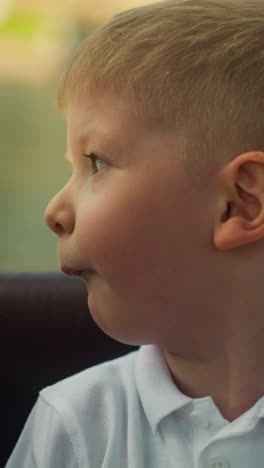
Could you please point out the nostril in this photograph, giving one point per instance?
(58, 229)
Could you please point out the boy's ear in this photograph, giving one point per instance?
(240, 216)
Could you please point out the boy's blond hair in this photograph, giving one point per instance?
(196, 66)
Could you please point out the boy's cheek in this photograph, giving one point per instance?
(129, 238)
(115, 244)
(111, 252)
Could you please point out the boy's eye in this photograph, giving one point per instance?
(97, 162)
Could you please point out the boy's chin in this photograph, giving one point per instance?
(111, 325)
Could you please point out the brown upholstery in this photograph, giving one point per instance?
(46, 334)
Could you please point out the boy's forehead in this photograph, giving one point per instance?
(110, 139)
(95, 118)
(107, 123)
(109, 111)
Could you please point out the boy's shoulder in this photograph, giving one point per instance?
(105, 413)
(94, 382)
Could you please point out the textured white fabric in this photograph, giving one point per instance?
(128, 413)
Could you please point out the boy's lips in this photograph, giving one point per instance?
(71, 271)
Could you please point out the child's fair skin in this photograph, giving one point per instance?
(164, 263)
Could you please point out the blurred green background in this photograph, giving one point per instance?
(36, 41)
(31, 148)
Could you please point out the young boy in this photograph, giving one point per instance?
(163, 219)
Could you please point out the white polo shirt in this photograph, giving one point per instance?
(128, 413)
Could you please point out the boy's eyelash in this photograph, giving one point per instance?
(91, 156)
(94, 157)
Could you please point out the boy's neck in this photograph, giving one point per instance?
(235, 383)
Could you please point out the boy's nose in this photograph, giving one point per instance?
(59, 214)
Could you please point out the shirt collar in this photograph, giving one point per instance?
(157, 390)
(160, 396)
